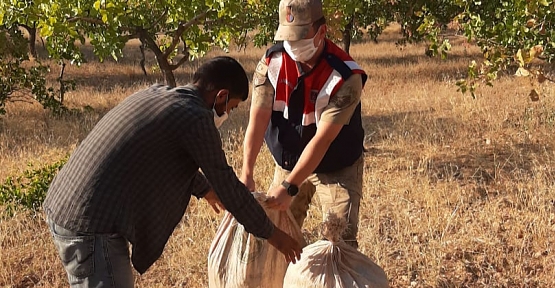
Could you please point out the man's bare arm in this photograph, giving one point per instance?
(260, 113)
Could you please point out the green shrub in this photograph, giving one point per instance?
(28, 190)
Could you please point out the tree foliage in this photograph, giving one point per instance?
(175, 31)
(511, 33)
(21, 80)
(349, 20)
(25, 14)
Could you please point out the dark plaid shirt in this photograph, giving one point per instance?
(135, 172)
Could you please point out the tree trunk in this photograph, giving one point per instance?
(166, 69)
(33, 42)
(169, 77)
(32, 31)
(143, 57)
(347, 35)
(61, 81)
(162, 60)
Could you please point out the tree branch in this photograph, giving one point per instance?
(180, 62)
(61, 81)
(182, 27)
(158, 20)
(150, 43)
(86, 19)
(143, 57)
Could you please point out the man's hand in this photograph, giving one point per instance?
(248, 181)
(214, 201)
(285, 244)
(278, 198)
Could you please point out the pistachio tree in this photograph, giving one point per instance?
(175, 31)
(513, 35)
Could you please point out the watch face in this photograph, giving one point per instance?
(292, 190)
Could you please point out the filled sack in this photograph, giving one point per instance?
(332, 263)
(237, 259)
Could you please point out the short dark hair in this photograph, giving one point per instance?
(316, 24)
(223, 72)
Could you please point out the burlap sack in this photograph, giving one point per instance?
(334, 264)
(237, 259)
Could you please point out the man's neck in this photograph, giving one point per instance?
(205, 96)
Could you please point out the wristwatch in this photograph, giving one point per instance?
(292, 189)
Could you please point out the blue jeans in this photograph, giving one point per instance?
(93, 260)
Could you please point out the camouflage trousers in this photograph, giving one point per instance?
(339, 192)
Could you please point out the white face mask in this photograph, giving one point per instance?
(301, 50)
(219, 120)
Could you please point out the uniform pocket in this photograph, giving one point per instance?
(77, 254)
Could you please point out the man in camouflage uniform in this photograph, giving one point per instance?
(306, 107)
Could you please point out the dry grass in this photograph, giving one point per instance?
(458, 192)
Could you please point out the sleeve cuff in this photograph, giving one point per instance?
(203, 193)
(268, 230)
(200, 186)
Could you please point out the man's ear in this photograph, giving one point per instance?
(324, 29)
(223, 94)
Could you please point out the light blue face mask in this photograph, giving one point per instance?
(219, 120)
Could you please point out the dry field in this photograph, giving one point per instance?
(458, 192)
